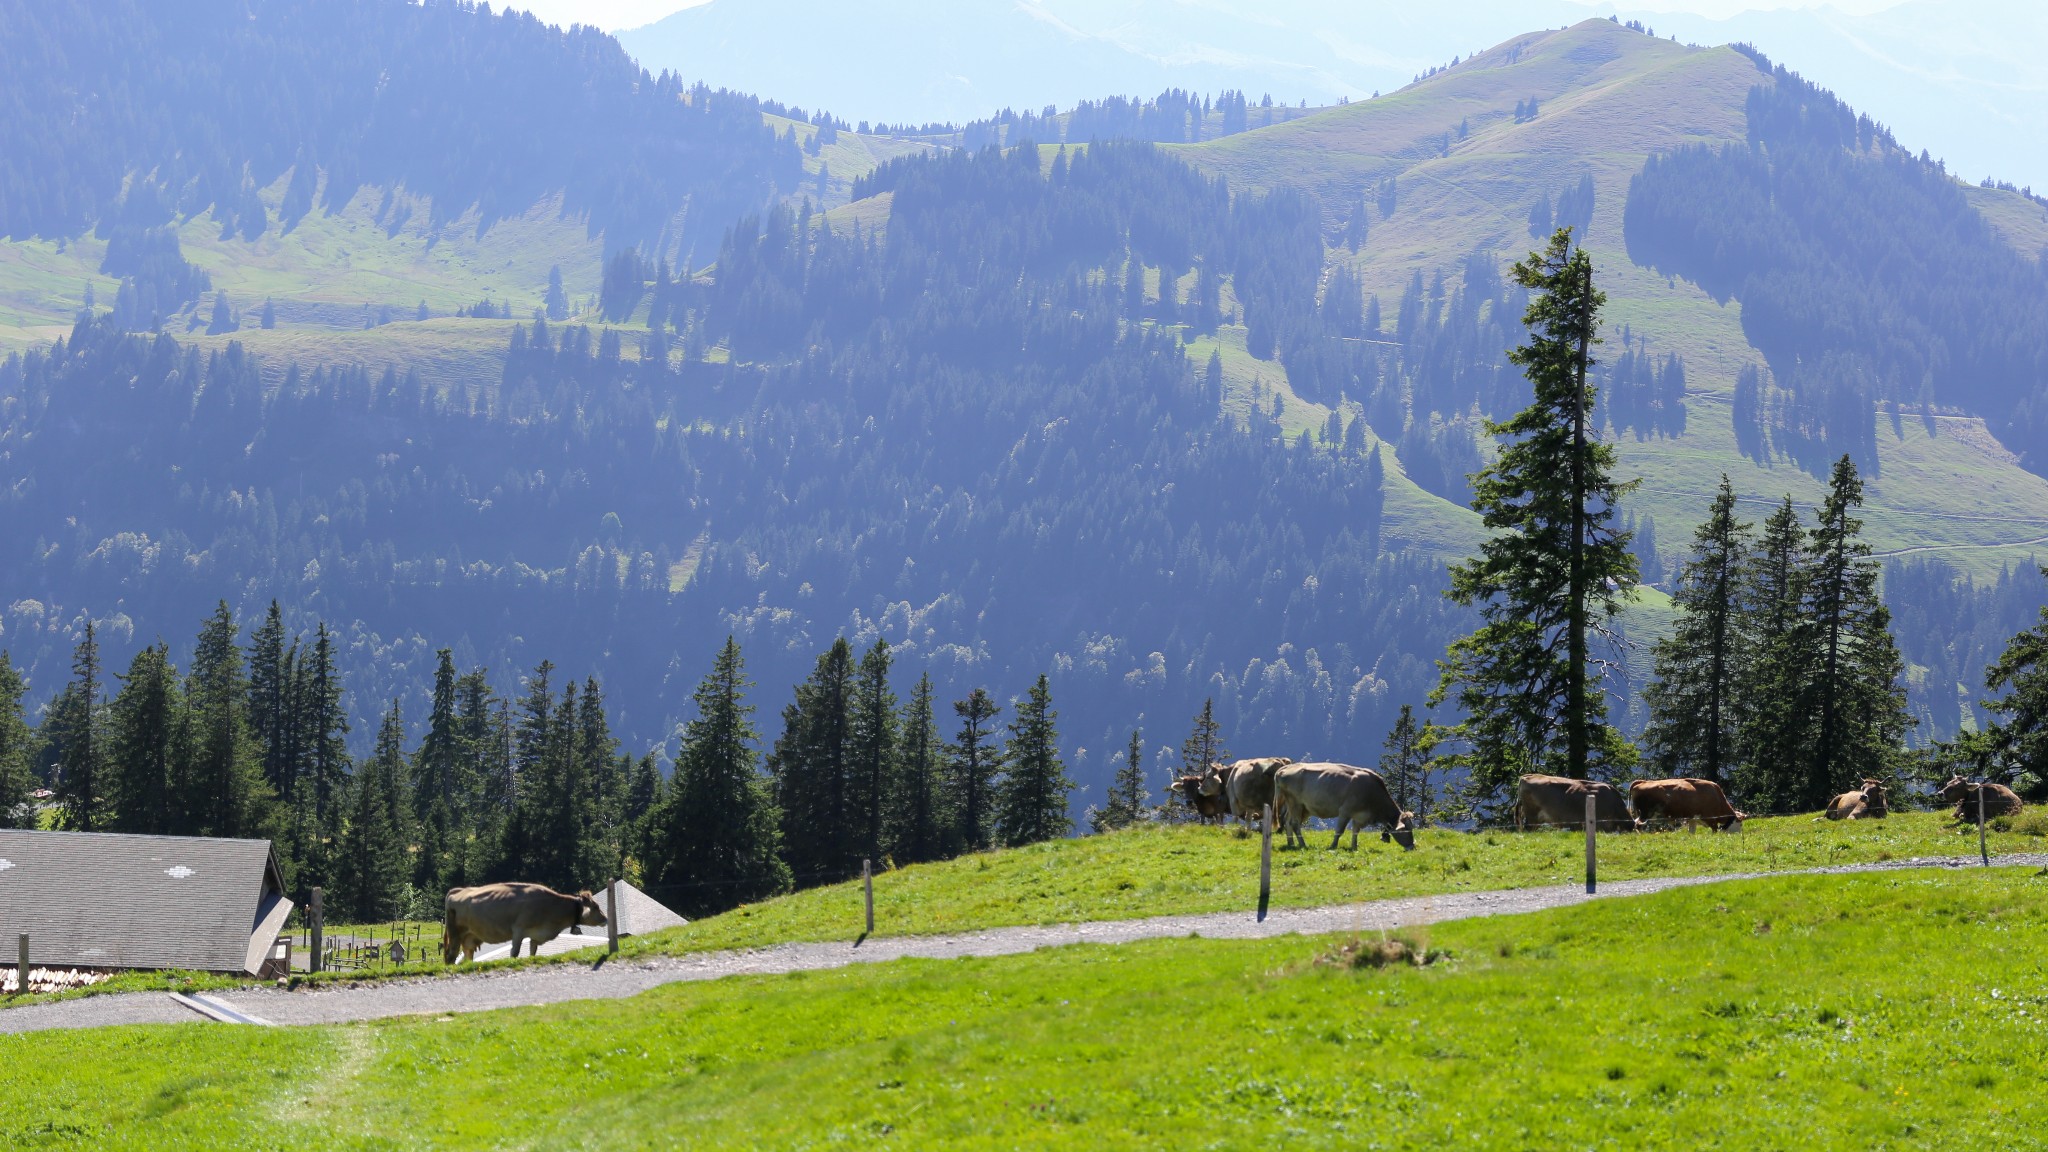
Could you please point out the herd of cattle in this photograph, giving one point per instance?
(1359, 798)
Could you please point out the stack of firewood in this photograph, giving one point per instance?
(51, 979)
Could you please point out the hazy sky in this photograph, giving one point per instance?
(616, 14)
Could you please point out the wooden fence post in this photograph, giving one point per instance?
(867, 883)
(611, 916)
(1265, 861)
(1983, 840)
(21, 968)
(315, 931)
(1591, 869)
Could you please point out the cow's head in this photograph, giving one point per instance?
(1403, 832)
(1735, 825)
(1955, 790)
(589, 915)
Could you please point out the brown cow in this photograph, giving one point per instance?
(1204, 793)
(1248, 786)
(1561, 801)
(515, 911)
(1354, 797)
(1869, 802)
(1998, 799)
(1693, 801)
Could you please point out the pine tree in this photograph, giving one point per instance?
(601, 778)
(1202, 748)
(370, 867)
(1553, 569)
(440, 783)
(1031, 802)
(1125, 804)
(224, 790)
(1693, 704)
(973, 760)
(2020, 736)
(1776, 685)
(872, 735)
(270, 677)
(76, 725)
(917, 817)
(714, 841)
(557, 299)
(643, 793)
(1405, 763)
(526, 854)
(1861, 721)
(323, 786)
(810, 764)
(145, 729)
(17, 779)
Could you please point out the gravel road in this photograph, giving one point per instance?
(486, 989)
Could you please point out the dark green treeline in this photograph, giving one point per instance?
(251, 741)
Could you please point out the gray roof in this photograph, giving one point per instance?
(108, 900)
(639, 913)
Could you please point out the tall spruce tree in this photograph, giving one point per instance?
(146, 727)
(1860, 719)
(974, 760)
(1776, 685)
(917, 816)
(270, 715)
(1406, 762)
(811, 765)
(1694, 704)
(17, 777)
(370, 868)
(526, 854)
(2020, 736)
(1554, 569)
(1031, 802)
(322, 787)
(1125, 804)
(872, 752)
(441, 784)
(224, 790)
(601, 776)
(76, 726)
(715, 839)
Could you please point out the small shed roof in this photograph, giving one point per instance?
(110, 900)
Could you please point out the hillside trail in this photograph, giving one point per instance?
(485, 989)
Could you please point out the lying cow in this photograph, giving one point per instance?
(1866, 803)
(1560, 801)
(1204, 793)
(1353, 797)
(1695, 802)
(515, 911)
(1998, 799)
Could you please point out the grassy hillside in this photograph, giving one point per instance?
(1729, 1015)
(1608, 98)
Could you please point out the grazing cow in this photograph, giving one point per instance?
(1866, 803)
(1204, 793)
(1693, 801)
(515, 911)
(1998, 799)
(1353, 797)
(1561, 801)
(1248, 786)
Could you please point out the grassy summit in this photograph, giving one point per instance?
(1726, 1016)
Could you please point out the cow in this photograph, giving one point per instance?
(1866, 803)
(1204, 793)
(1561, 801)
(1248, 786)
(515, 911)
(1695, 802)
(1998, 799)
(1353, 797)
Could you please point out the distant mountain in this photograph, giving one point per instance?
(1173, 423)
(1961, 78)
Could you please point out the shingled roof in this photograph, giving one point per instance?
(106, 900)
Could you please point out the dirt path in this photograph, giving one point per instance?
(486, 989)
